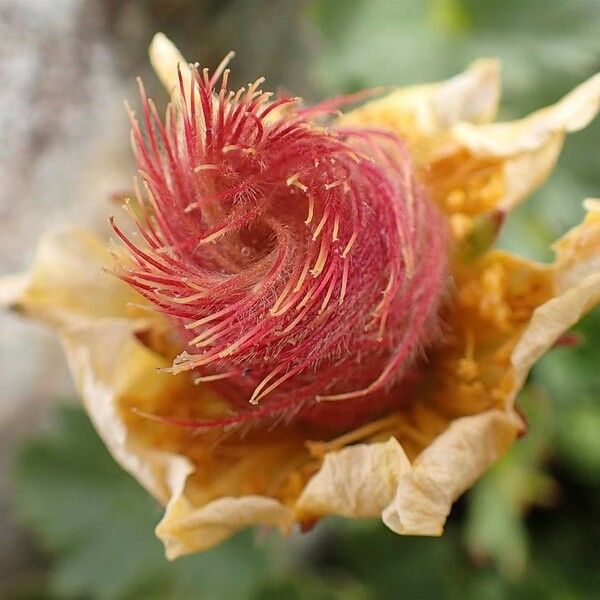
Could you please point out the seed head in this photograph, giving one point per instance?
(302, 264)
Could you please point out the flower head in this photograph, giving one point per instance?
(337, 273)
(299, 263)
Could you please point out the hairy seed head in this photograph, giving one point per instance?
(303, 265)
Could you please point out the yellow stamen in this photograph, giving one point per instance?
(321, 259)
(281, 298)
(207, 378)
(311, 210)
(272, 387)
(263, 383)
(336, 228)
(206, 167)
(349, 244)
(214, 236)
(303, 275)
(293, 180)
(334, 184)
(327, 296)
(344, 283)
(321, 224)
(320, 449)
(208, 318)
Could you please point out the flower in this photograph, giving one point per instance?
(311, 319)
(300, 264)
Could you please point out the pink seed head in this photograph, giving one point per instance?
(304, 266)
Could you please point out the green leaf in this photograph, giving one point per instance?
(310, 587)
(579, 439)
(99, 524)
(495, 527)
(394, 566)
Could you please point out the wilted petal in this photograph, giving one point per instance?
(110, 365)
(186, 528)
(421, 114)
(445, 469)
(469, 165)
(526, 150)
(166, 60)
(578, 252)
(66, 284)
(578, 285)
(357, 481)
(116, 374)
(572, 113)
(409, 466)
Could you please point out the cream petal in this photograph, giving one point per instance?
(424, 491)
(185, 528)
(527, 148)
(357, 481)
(549, 322)
(165, 59)
(97, 328)
(419, 113)
(108, 364)
(66, 284)
(572, 113)
(377, 479)
(578, 252)
(67, 289)
(12, 289)
(578, 285)
(445, 469)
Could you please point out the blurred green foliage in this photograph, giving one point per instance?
(531, 527)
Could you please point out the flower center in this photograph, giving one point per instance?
(304, 266)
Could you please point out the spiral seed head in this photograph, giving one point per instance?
(300, 263)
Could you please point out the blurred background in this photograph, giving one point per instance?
(72, 524)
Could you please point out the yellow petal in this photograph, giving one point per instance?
(211, 492)
(526, 150)
(578, 252)
(572, 113)
(357, 481)
(108, 365)
(421, 114)
(445, 469)
(577, 277)
(115, 374)
(66, 283)
(166, 59)
(472, 166)
(463, 449)
(185, 528)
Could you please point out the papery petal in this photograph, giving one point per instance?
(357, 481)
(506, 312)
(166, 60)
(471, 166)
(113, 371)
(445, 469)
(420, 114)
(186, 528)
(577, 277)
(109, 364)
(116, 373)
(466, 446)
(66, 284)
(578, 252)
(572, 113)
(525, 150)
